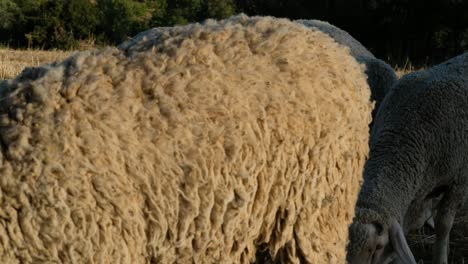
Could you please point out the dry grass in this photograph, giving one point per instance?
(408, 68)
(13, 61)
(422, 241)
(400, 71)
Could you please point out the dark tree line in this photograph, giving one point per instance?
(65, 23)
(420, 31)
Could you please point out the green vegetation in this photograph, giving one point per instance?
(68, 24)
(422, 31)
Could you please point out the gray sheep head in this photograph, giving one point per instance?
(376, 240)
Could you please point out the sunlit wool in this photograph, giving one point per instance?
(187, 144)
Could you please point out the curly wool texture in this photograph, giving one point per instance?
(195, 146)
(381, 76)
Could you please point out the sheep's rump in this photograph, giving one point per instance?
(380, 76)
(344, 38)
(193, 144)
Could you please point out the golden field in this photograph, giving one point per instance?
(13, 61)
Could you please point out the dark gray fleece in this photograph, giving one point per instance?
(381, 77)
(419, 144)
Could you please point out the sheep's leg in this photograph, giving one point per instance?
(443, 225)
(451, 201)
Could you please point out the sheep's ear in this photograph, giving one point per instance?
(397, 237)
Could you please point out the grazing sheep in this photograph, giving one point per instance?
(418, 150)
(195, 144)
(381, 77)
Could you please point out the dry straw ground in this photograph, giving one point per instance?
(13, 62)
(421, 241)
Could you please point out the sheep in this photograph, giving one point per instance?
(381, 76)
(417, 152)
(202, 143)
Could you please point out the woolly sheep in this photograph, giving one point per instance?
(195, 144)
(381, 76)
(418, 150)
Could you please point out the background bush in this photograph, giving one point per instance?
(420, 31)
